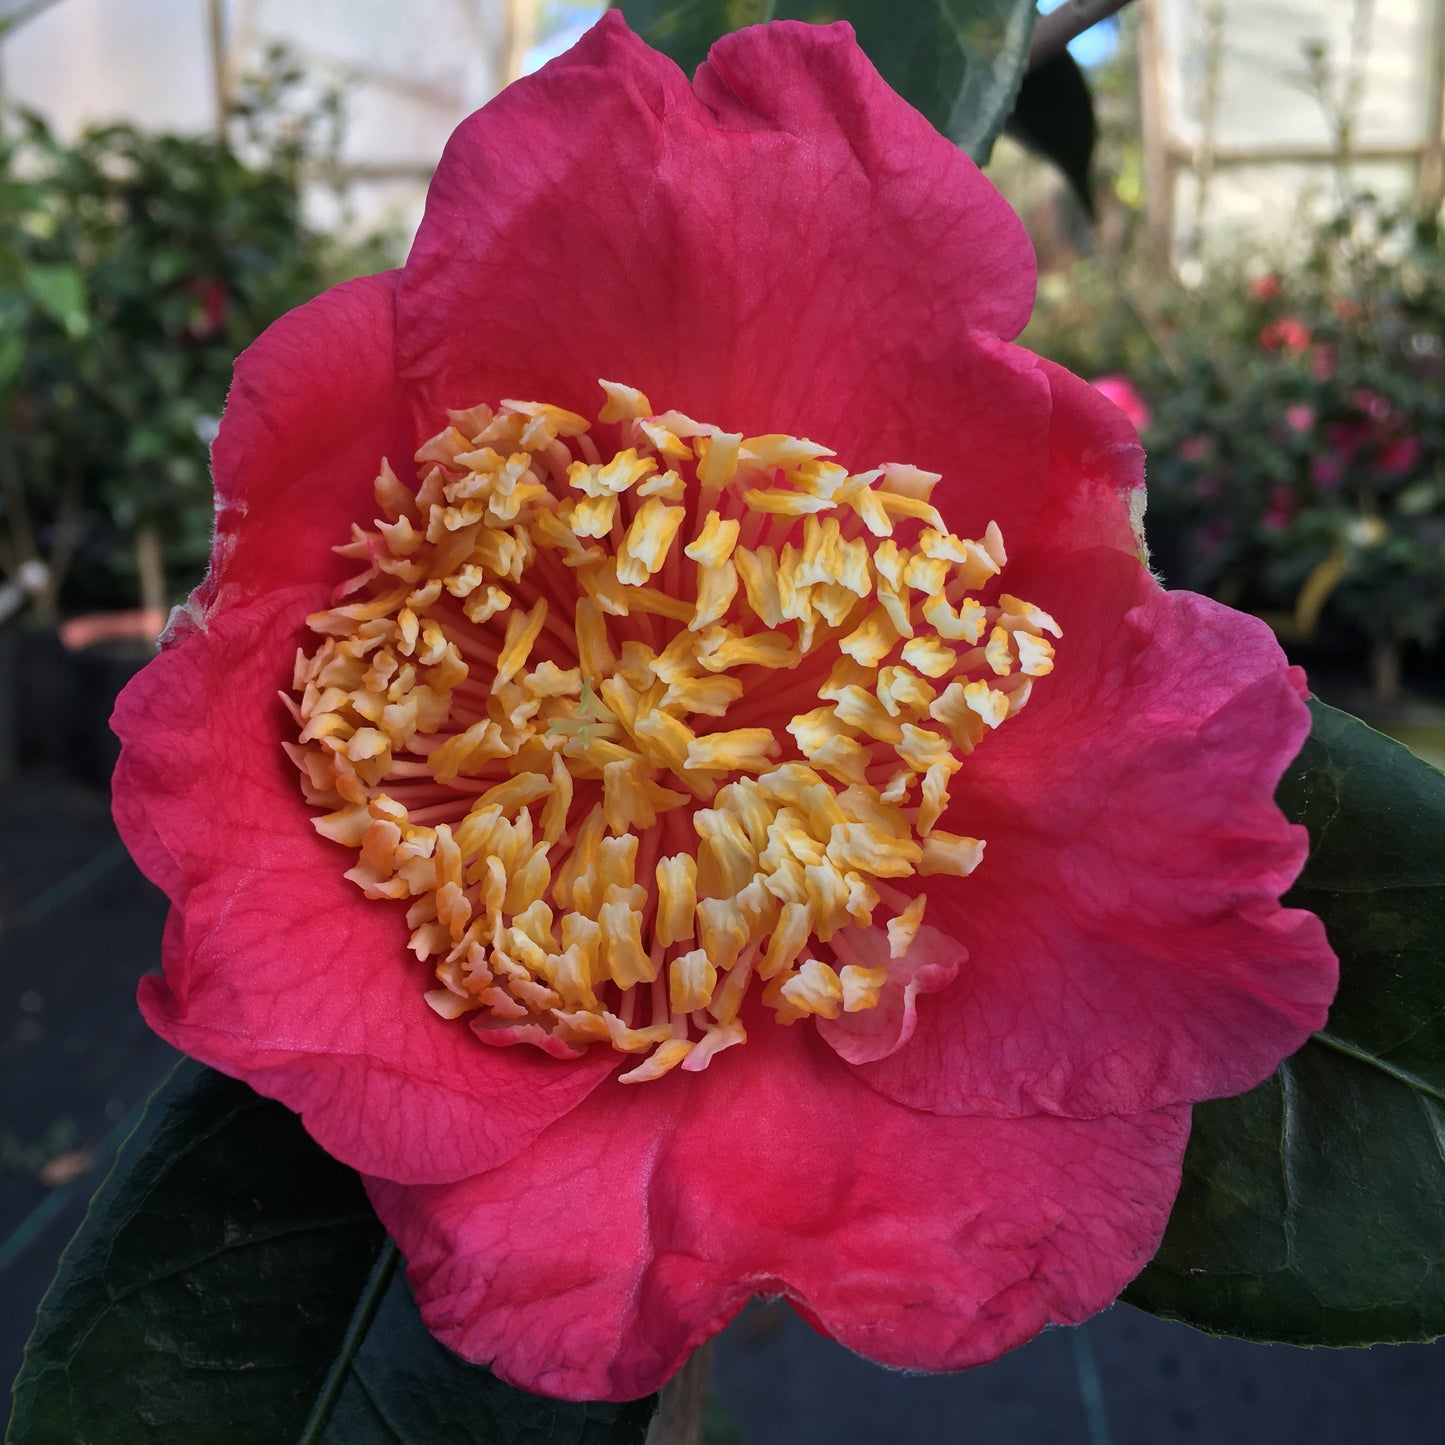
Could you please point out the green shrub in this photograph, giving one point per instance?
(133, 268)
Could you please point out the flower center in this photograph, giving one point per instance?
(636, 733)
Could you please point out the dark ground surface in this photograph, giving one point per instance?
(78, 926)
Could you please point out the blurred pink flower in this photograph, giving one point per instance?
(1265, 288)
(1289, 333)
(1398, 457)
(1213, 535)
(1374, 406)
(1299, 417)
(1280, 512)
(1122, 392)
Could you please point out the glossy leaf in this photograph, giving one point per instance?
(232, 1283)
(1311, 1208)
(59, 291)
(1054, 117)
(959, 61)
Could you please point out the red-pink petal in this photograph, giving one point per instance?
(278, 971)
(766, 251)
(634, 1228)
(1125, 947)
(313, 408)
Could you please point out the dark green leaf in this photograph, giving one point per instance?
(12, 355)
(992, 43)
(232, 1283)
(959, 61)
(1054, 117)
(59, 291)
(1313, 1208)
(684, 29)
(402, 1386)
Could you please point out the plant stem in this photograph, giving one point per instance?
(680, 1407)
(1052, 32)
(151, 567)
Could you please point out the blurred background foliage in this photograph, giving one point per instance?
(1288, 393)
(133, 269)
(1291, 411)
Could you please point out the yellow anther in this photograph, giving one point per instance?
(784, 504)
(665, 740)
(739, 750)
(775, 450)
(723, 930)
(691, 979)
(950, 853)
(714, 544)
(1035, 654)
(872, 640)
(901, 690)
(669, 1054)
(623, 403)
(676, 899)
(708, 696)
(716, 587)
(922, 749)
(645, 547)
(903, 927)
(1015, 613)
(593, 516)
(759, 571)
(790, 938)
(998, 653)
(667, 485)
(523, 629)
(717, 459)
(861, 986)
(859, 847)
(990, 704)
(909, 481)
(666, 443)
(623, 956)
(930, 656)
(814, 989)
(595, 657)
(727, 857)
(563, 423)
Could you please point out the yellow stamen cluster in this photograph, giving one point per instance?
(631, 731)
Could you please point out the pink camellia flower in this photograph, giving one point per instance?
(1374, 438)
(1280, 512)
(752, 826)
(1371, 404)
(210, 301)
(1398, 457)
(1266, 287)
(1299, 417)
(1125, 395)
(1289, 333)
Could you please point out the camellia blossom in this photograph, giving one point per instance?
(678, 771)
